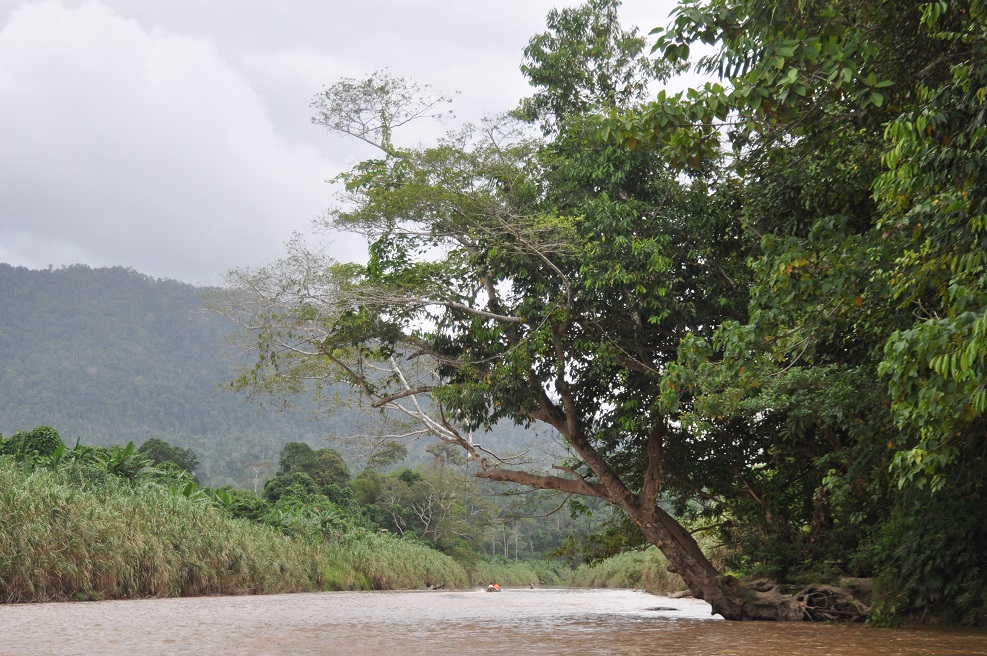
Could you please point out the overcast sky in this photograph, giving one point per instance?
(173, 136)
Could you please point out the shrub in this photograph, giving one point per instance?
(295, 484)
(42, 442)
(246, 505)
(160, 452)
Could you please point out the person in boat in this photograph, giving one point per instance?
(493, 587)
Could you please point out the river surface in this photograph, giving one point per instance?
(515, 622)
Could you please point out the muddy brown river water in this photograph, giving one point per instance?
(515, 622)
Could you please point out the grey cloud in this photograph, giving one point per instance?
(174, 137)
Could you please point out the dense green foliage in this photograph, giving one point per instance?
(857, 135)
(64, 541)
(646, 570)
(325, 466)
(760, 305)
(43, 441)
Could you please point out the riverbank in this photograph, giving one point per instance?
(68, 541)
(71, 535)
(640, 570)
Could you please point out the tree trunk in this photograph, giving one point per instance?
(738, 600)
(729, 597)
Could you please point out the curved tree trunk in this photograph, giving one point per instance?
(735, 599)
(729, 597)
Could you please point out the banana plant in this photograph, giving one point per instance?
(190, 490)
(127, 462)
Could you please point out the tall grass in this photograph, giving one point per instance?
(72, 534)
(647, 570)
(519, 572)
(60, 540)
(387, 562)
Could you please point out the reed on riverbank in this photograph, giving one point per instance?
(646, 570)
(64, 541)
(390, 563)
(516, 573)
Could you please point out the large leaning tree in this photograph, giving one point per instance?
(541, 281)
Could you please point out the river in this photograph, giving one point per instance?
(515, 621)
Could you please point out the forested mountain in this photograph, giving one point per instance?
(111, 355)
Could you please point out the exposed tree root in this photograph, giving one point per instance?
(831, 603)
(814, 602)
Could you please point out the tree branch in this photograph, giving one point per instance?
(652, 475)
(546, 482)
(399, 395)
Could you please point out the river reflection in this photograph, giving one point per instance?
(516, 622)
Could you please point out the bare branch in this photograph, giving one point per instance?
(371, 109)
(398, 396)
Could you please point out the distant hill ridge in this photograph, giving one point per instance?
(109, 355)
